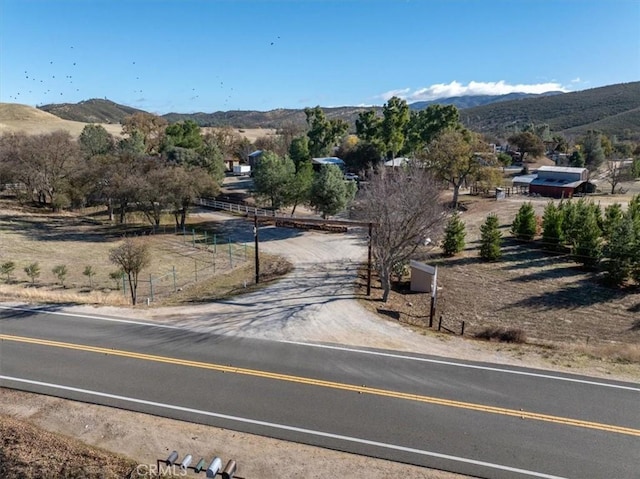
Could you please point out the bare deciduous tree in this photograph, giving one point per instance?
(617, 172)
(405, 205)
(132, 256)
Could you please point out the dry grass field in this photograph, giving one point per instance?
(31, 236)
(22, 118)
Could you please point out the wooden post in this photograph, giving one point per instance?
(369, 261)
(462, 331)
(255, 238)
(440, 323)
(432, 310)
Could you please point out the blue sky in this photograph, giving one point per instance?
(195, 55)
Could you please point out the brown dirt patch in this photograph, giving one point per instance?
(27, 451)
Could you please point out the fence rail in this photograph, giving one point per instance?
(234, 207)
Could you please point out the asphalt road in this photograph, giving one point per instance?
(472, 418)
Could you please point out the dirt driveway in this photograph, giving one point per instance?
(316, 302)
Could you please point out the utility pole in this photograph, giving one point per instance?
(255, 237)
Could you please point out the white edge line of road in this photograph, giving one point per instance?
(347, 349)
(284, 427)
(469, 366)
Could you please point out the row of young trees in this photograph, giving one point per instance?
(601, 240)
(131, 257)
(60, 271)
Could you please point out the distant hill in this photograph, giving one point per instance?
(611, 109)
(16, 118)
(470, 101)
(90, 111)
(264, 119)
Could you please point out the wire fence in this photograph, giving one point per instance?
(203, 255)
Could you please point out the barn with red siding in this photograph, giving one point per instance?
(561, 182)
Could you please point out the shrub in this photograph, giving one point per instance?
(33, 271)
(7, 268)
(504, 335)
(60, 272)
(90, 273)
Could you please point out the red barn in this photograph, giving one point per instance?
(561, 182)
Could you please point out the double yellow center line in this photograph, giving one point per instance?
(328, 384)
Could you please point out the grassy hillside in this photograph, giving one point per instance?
(611, 109)
(15, 118)
(91, 111)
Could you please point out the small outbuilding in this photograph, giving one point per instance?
(329, 160)
(253, 157)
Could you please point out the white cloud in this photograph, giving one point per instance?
(576, 80)
(445, 90)
(401, 93)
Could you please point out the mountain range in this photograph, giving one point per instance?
(613, 109)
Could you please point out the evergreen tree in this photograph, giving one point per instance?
(272, 176)
(454, 235)
(633, 211)
(613, 215)
(491, 239)
(552, 226)
(588, 244)
(330, 193)
(620, 251)
(573, 214)
(524, 224)
(299, 188)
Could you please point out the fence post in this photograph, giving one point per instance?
(195, 268)
(230, 254)
(151, 286)
(462, 331)
(440, 323)
(174, 279)
(214, 263)
(432, 310)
